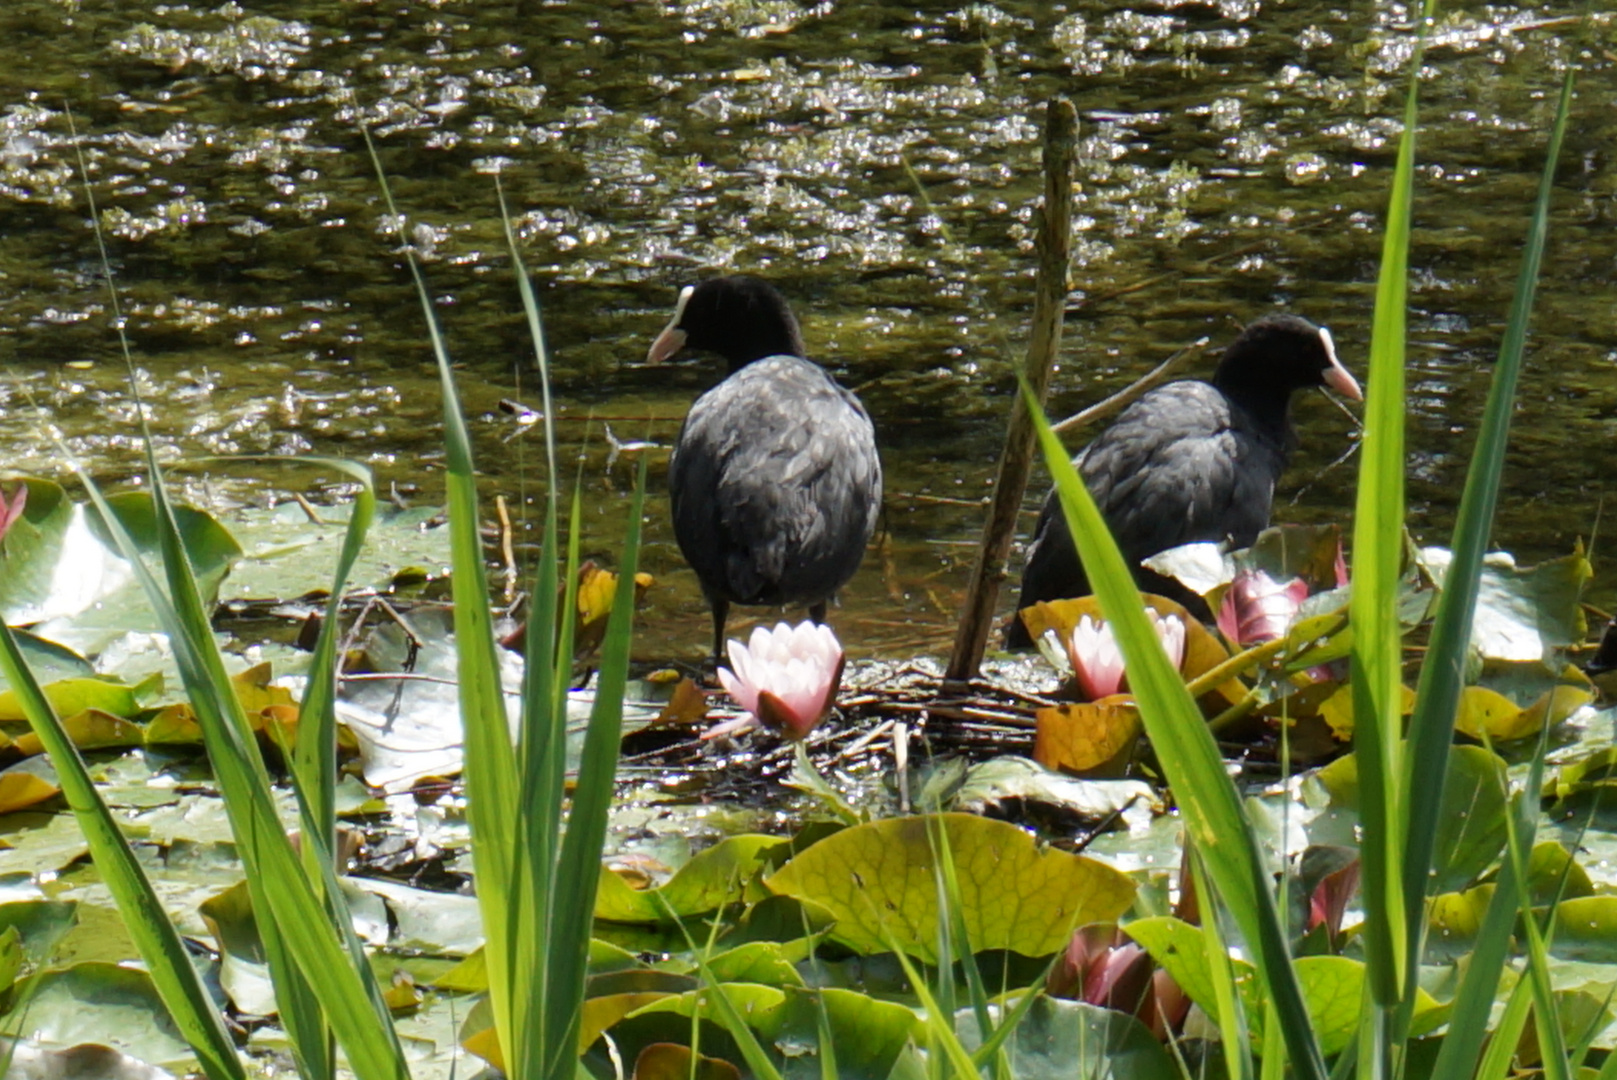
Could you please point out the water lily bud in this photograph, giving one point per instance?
(1257, 608)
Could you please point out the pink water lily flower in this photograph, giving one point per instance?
(1257, 608)
(1098, 663)
(786, 678)
(10, 512)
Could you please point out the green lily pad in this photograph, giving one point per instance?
(1333, 986)
(30, 1061)
(1523, 613)
(76, 696)
(49, 662)
(878, 881)
(81, 589)
(39, 923)
(1471, 826)
(772, 963)
(1586, 929)
(868, 1034)
(713, 878)
(421, 920)
(1181, 949)
(1454, 920)
(11, 958)
(288, 553)
(1059, 1039)
(1012, 777)
(101, 1003)
(33, 548)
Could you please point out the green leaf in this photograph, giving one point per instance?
(1442, 675)
(877, 879)
(868, 1033)
(41, 924)
(1333, 986)
(772, 963)
(1190, 758)
(1523, 614)
(72, 696)
(1470, 829)
(713, 878)
(1586, 929)
(101, 1003)
(1060, 1040)
(174, 980)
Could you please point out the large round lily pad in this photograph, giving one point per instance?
(878, 880)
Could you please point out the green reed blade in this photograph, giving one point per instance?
(1378, 548)
(505, 886)
(1207, 798)
(578, 871)
(1442, 676)
(159, 942)
(314, 760)
(311, 921)
(304, 923)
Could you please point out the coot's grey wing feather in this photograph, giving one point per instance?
(1182, 464)
(1204, 477)
(777, 484)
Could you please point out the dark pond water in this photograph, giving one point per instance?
(878, 161)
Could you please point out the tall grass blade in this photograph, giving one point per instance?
(316, 961)
(955, 938)
(314, 760)
(311, 921)
(300, 1012)
(154, 935)
(1189, 757)
(727, 1015)
(1442, 674)
(542, 746)
(939, 1021)
(1378, 548)
(314, 776)
(505, 890)
(1231, 1018)
(578, 871)
(1521, 828)
(1501, 1049)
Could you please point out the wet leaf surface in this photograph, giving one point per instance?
(877, 880)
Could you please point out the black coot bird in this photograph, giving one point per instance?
(775, 481)
(1190, 461)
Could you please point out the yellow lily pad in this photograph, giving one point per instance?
(1084, 737)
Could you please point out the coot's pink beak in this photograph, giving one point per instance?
(672, 339)
(1336, 376)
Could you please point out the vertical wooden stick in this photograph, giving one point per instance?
(1044, 343)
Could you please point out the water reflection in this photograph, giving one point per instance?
(878, 162)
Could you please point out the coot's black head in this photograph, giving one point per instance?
(741, 318)
(1277, 355)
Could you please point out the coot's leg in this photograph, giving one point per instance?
(817, 613)
(721, 612)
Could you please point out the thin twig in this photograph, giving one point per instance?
(1126, 396)
(507, 553)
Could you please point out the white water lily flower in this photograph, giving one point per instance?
(786, 678)
(1097, 661)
